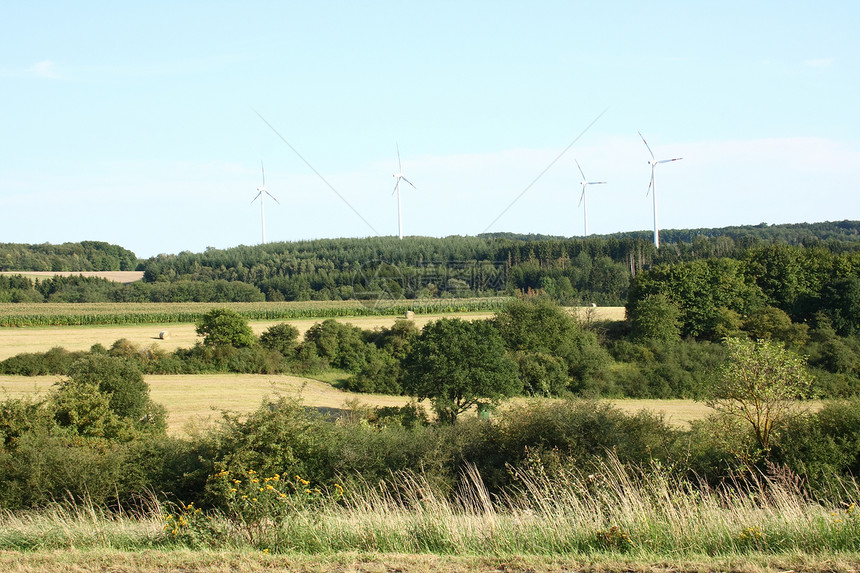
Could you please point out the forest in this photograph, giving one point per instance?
(573, 271)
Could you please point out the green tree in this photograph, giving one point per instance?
(282, 337)
(458, 364)
(760, 384)
(118, 379)
(222, 326)
(655, 317)
(540, 326)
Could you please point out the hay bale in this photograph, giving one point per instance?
(163, 335)
(410, 315)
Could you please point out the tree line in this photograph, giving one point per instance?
(570, 270)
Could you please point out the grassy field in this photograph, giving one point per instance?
(630, 520)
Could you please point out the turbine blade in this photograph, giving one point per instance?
(646, 145)
(263, 169)
(582, 196)
(256, 196)
(408, 181)
(597, 182)
(396, 185)
(399, 168)
(273, 197)
(650, 183)
(670, 160)
(580, 169)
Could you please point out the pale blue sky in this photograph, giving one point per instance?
(135, 123)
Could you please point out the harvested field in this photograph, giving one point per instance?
(198, 399)
(124, 277)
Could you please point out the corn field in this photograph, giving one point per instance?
(84, 314)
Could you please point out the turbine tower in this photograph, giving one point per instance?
(583, 199)
(397, 177)
(260, 192)
(652, 186)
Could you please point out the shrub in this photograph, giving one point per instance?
(225, 327)
(281, 337)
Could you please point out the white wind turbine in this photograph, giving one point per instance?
(652, 186)
(260, 192)
(583, 199)
(398, 176)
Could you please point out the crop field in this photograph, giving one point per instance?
(82, 314)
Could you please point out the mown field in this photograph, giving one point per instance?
(116, 276)
(198, 399)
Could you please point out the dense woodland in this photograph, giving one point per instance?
(597, 269)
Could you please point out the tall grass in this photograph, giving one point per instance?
(632, 514)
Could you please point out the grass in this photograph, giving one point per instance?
(617, 518)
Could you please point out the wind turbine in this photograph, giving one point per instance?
(397, 177)
(260, 192)
(652, 186)
(583, 199)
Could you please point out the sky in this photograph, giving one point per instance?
(145, 124)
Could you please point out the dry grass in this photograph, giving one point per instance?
(116, 276)
(198, 399)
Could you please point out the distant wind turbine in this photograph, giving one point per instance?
(261, 191)
(583, 199)
(398, 176)
(652, 186)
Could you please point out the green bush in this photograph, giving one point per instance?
(225, 327)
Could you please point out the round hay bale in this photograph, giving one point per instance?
(163, 335)
(410, 315)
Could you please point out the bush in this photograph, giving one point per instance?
(225, 327)
(281, 337)
(120, 380)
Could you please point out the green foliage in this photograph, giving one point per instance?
(539, 326)
(222, 326)
(541, 374)
(701, 289)
(55, 361)
(760, 384)
(655, 317)
(340, 345)
(770, 323)
(458, 364)
(281, 337)
(119, 380)
(684, 369)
